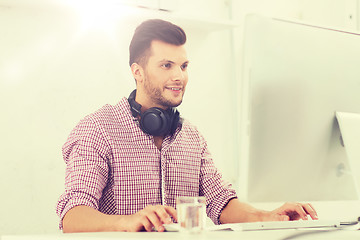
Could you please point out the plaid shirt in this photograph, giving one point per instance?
(114, 167)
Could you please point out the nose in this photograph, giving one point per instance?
(179, 74)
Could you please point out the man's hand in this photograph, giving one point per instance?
(237, 212)
(292, 211)
(150, 217)
(86, 219)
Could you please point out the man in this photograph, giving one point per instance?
(127, 163)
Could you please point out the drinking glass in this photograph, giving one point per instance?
(191, 212)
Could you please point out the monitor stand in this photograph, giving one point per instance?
(349, 124)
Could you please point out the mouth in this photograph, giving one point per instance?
(174, 88)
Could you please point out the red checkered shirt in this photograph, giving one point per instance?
(114, 167)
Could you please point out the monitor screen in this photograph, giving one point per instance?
(296, 76)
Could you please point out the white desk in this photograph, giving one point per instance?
(228, 235)
(340, 210)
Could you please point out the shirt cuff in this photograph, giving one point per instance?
(216, 208)
(80, 200)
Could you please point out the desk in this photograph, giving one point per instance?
(228, 235)
(340, 210)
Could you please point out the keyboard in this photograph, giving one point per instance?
(252, 226)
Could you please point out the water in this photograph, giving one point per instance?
(191, 216)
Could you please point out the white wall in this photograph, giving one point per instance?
(342, 14)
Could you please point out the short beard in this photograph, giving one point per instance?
(156, 96)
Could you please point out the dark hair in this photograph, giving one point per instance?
(154, 29)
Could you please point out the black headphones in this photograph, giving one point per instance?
(155, 121)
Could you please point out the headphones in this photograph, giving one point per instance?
(155, 121)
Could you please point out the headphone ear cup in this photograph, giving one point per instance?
(175, 118)
(155, 122)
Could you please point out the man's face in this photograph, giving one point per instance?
(164, 76)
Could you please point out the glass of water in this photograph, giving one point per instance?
(191, 213)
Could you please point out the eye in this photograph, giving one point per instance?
(184, 66)
(166, 65)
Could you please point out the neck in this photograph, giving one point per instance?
(158, 141)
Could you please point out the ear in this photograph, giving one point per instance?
(137, 72)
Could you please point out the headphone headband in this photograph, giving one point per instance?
(134, 106)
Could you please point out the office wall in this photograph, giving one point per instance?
(58, 65)
(341, 14)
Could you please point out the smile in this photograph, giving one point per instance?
(174, 88)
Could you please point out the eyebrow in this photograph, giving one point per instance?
(169, 61)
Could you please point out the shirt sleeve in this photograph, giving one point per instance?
(217, 191)
(85, 154)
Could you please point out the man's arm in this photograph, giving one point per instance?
(86, 219)
(236, 211)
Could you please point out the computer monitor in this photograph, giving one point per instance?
(296, 76)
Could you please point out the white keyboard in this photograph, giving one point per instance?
(277, 225)
(251, 226)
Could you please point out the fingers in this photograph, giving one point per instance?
(311, 211)
(172, 212)
(297, 211)
(155, 216)
(148, 226)
(155, 221)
